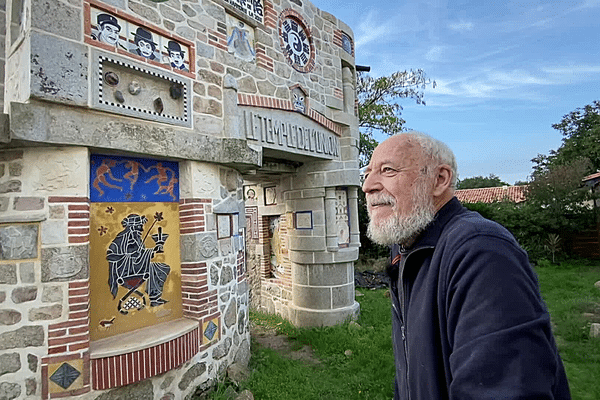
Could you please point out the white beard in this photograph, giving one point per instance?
(398, 229)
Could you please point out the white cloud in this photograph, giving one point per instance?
(517, 78)
(588, 4)
(435, 54)
(572, 69)
(461, 26)
(370, 30)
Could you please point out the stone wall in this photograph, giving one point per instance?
(2, 51)
(246, 109)
(45, 293)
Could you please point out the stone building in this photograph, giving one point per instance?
(165, 166)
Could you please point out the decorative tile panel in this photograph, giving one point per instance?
(114, 30)
(135, 267)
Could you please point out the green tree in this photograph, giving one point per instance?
(561, 197)
(378, 107)
(581, 139)
(480, 182)
(556, 182)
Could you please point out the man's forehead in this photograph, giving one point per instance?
(397, 150)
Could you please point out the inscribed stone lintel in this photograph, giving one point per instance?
(289, 132)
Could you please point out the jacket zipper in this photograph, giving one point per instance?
(403, 312)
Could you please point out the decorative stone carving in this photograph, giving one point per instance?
(18, 242)
(240, 39)
(341, 217)
(208, 247)
(65, 263)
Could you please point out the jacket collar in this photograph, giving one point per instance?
(430, 236)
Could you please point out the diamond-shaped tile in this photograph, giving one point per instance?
(211, 328)
(65, 375)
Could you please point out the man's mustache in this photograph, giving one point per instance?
(380, 199)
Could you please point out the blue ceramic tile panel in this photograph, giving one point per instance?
(127, 179)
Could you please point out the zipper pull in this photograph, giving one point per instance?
(403, 333)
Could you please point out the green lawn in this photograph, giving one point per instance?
(569, 291)
(368, 372)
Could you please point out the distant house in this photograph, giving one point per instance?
(514, 194)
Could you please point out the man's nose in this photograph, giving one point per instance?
(371, 184)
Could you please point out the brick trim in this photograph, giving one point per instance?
(198, 302)
(286, 105)
(338, 41)
(125, 369)
(70, 340)
(192, 216)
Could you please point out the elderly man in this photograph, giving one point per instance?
(468, 318)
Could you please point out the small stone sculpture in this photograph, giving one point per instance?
(119, 96)
(135, 88)
(158, 105)
(111, 78)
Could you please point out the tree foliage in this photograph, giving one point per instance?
(581, 140)
(378, 107)
(561, 196)
(581, 136)
(556, 182)
(557, 203)
(480, 182)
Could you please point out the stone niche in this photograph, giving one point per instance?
(143, 92)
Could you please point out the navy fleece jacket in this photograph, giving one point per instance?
(468, 318)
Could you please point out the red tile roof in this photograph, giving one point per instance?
(516, 194)
(590, 177)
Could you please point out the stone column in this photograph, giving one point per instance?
(349, 91)
(353, 206)
(330, 225)
(230, 108)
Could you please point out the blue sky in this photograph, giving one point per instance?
(505, 70)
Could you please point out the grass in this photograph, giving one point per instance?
(368, 372)
(569, 291)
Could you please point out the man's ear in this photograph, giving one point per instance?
(443, 180)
